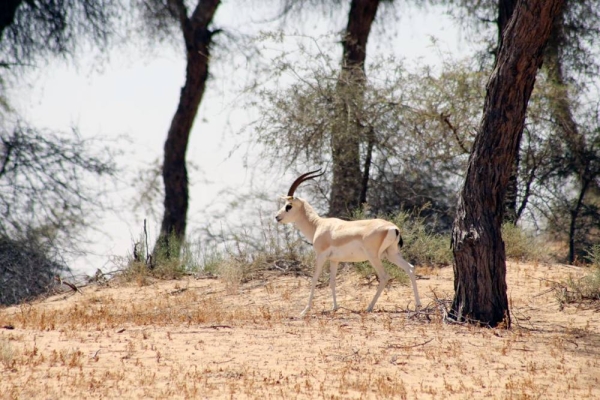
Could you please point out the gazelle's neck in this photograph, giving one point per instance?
(308, 223)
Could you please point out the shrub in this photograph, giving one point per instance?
(586, 287)
(520, 246)
(140, 266)
(421, 245)
(26, 270)
(593, 256)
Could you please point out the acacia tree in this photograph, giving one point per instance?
(582, 159)
(349, 185)
(197, 35)
(561, 154)
(51, 184)
(479, 254)
(349, 134)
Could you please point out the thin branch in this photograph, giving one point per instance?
(461, 144)
(398, 346)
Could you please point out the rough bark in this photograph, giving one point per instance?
(347, 185)
(479, 255)
(198, 38)
(505, 11)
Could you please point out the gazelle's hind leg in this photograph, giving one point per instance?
(394, 256)
(383, 279)
(332, 272)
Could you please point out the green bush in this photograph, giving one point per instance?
(140, 266)
(586, 287)
(421, 245)
(520, 246)
(593, 256)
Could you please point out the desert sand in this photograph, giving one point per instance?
(209, 338)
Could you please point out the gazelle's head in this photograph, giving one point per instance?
(293, 207)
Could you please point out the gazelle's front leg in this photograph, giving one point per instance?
(332, 272)
(318, 269)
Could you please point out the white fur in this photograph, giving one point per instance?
(347, 241)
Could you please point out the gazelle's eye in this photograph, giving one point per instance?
(288, 207)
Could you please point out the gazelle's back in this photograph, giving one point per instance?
(354, 241)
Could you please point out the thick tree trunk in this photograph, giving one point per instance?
(512, 191)
(347, 185)
(505, 11)
(479, 255)
(198, 39)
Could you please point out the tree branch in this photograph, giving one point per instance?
(179, 10)
(461, 144)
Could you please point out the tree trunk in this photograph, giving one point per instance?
(505, 11)
(479, 255)
(567, 126)
(367, 167)
(512, 191)
(574, 215)
(197, 39)
(347, 180)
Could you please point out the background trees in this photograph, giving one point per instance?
(393, 133)
(537, 190)
(51, 183)
(31, 31)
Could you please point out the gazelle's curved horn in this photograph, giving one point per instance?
(302, 178)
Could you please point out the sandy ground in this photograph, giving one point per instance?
(205, 338)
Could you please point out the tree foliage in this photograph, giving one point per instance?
(50, 184)
(36, 29)
(50, 187)
(560, 130)
(420, 124)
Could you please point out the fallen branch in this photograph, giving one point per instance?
(398, 346)
(62, 282)
(216, 327)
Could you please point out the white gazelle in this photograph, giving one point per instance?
(345, 241)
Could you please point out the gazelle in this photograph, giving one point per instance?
(345, 241)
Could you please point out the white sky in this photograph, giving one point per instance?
(136, 95)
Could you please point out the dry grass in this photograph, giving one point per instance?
(207, 339)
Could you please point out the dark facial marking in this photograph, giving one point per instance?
(288, 207)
